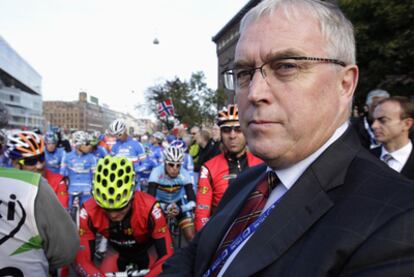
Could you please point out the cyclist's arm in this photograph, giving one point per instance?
(60, 241)
(204, 199)
(190, 192)
(152, 188)
(84, 258)
(162, 239)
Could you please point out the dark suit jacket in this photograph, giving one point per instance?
(407, 170)
(349, 214)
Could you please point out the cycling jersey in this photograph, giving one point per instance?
(214, 179)
(79, 169)
(156, 154)
(99, 152)
(59, 185)
(169, 190)
(130, 149)
(145, 171)
(54, 159)
(143, 226)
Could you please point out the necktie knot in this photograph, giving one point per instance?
(272, 179)
(387, 158)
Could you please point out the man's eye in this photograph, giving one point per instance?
(243, 74)
(284, 66)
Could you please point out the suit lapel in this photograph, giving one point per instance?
(215, 230)
(408, 169)
(300, 207)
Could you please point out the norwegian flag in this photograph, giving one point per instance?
(166, 108)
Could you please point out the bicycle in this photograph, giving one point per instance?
(171, 211)
(130, 271)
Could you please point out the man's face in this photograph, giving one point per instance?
(215, 133)
(85, 148)
(388, 126)
(232, 137)
(118, 215)
(122, 137)
(194, 132)
(287, 120)
(51, 147)
(34, 164)
(172, 169)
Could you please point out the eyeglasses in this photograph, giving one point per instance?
(32, 161)
(177, 165)
(228, 129)
(280, 69)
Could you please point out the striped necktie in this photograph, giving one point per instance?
(251, 209)
(387, 158)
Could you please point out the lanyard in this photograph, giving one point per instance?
(239, 240)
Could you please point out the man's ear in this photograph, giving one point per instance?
(408, 122)
(349, 80)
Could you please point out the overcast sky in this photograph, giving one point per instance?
(106, 47)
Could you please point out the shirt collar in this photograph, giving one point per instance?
(401, 155)
(288, 176)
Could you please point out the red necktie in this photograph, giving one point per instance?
(251, 209)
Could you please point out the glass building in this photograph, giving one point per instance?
(20, 89)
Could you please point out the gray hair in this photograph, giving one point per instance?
(376, 93)
(335, 27)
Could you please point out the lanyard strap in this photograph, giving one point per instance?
(225, 254)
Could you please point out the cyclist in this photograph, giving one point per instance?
(127, 147)
(217, 173)
(156, 147)
(95, 148)
(132, 221)
(188, 163)
(172, 186)
(78, 166)
(22, 144)
(32, 243)
(54, 155)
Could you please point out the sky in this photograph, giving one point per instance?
(106, 49)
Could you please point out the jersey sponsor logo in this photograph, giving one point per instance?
(83, 214)
(156, 211)
(204, 172)
(128, 231)
(203, 189)
(162, 230)
(204, 220)
(230, 176)
(203, 207)
(13, 217)
(82, 232)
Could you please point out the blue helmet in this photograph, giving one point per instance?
(50, 137)
(179, 144)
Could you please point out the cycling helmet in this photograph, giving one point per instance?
(50, 137)
(229, 113)
(170, 138)
(113, 182)
(94, 137)
(117, 127)
(179, 144)
(173, 154)
(80, 138)
(23, 144)
(159, 136)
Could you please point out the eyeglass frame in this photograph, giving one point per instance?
(252, 71)
(174, 165)
(235, 128)
(38, 158)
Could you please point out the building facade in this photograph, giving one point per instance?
(20, 89)
(226, 40)
(88, 115)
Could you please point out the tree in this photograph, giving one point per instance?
(194, 103)
(385, 45)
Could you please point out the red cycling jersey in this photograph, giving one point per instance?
(143, 226)
(214, 180)
(59, 185)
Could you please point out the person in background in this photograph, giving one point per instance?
(393, 120)
(54, 155)
(63, 142)
(321, 205)
(217, 174)
(363, 123)
(156, 147)
(32, 243)
(95, 148)
(194, 148)
(208, 148)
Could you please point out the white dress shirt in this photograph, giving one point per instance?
(399, 157)
(287, 177)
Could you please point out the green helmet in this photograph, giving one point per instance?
(113, 182)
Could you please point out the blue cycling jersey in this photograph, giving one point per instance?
(156, 154)
(5, 162)
(99, 152)
(79, 169)
(54, 159)
(130, 149)
(169, 189)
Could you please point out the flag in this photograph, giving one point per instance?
(166, 108)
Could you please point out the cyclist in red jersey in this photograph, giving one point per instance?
(216, 173)
(133, 222)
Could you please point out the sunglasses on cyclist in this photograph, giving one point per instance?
(32, 161)
(178, 165)
(228, 129)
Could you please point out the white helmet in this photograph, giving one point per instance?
(173, 154)
(117, 127)
(80, 138)
(159, 136)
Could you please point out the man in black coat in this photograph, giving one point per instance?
(336, 209)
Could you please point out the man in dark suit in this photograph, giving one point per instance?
(393, 120)
(336, 209)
